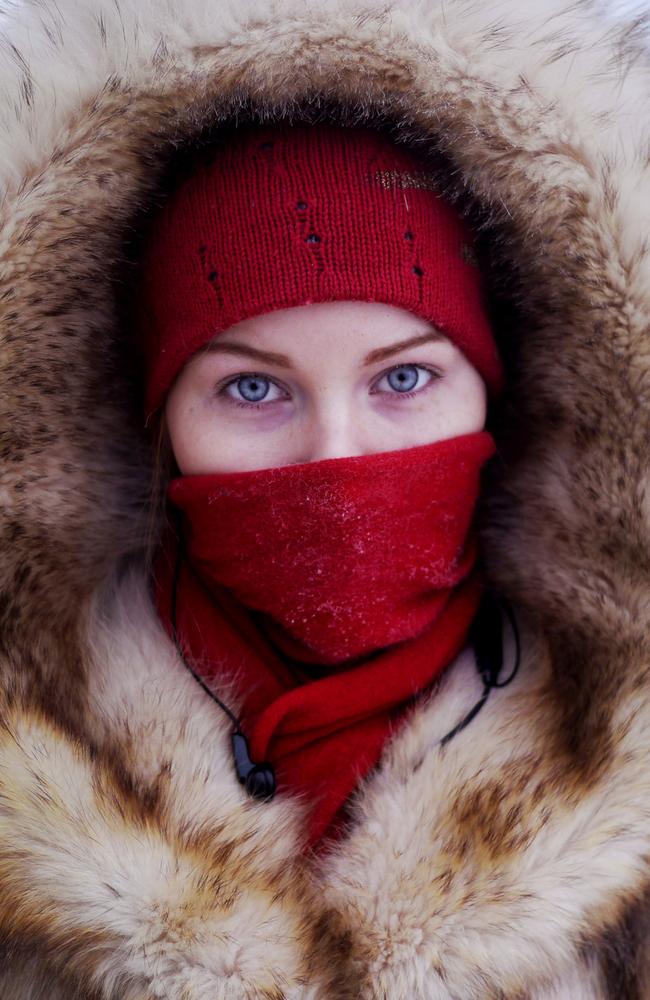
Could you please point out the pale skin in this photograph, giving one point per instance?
(327, 380)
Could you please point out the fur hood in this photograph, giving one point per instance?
(511, 864)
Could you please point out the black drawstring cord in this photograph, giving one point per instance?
(468, 718)
(486, 637)
(258, 779)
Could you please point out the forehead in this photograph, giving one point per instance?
(349, 327)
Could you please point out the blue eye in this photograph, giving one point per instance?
(253, 388)
(405, 379)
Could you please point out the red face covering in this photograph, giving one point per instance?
(366, 559)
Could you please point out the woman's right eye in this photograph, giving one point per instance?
(252, 389)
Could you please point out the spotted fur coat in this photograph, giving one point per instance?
(513, 863)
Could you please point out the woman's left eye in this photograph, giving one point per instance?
(405, 379)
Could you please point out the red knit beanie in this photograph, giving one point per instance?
(279, 216)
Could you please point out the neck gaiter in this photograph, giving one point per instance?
(360, 571)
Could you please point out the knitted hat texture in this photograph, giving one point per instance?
(279, 216)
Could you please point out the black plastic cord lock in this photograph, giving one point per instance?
(258, 779)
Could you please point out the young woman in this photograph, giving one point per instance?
(324, 548)
(198, 797)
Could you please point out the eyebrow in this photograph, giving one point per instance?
(282, 361)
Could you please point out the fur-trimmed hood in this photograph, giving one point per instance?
(514, 861)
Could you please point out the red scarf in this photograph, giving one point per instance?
(332, 592)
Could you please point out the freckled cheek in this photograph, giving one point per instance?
(270, 417)
(470, 401)
(465, 417)
(400, 411)
(224, 424)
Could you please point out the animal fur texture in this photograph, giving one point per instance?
(514, 862)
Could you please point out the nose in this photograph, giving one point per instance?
(335, 434)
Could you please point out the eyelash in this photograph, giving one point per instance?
(221, 391)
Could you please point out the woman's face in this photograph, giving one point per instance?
(327, 380)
